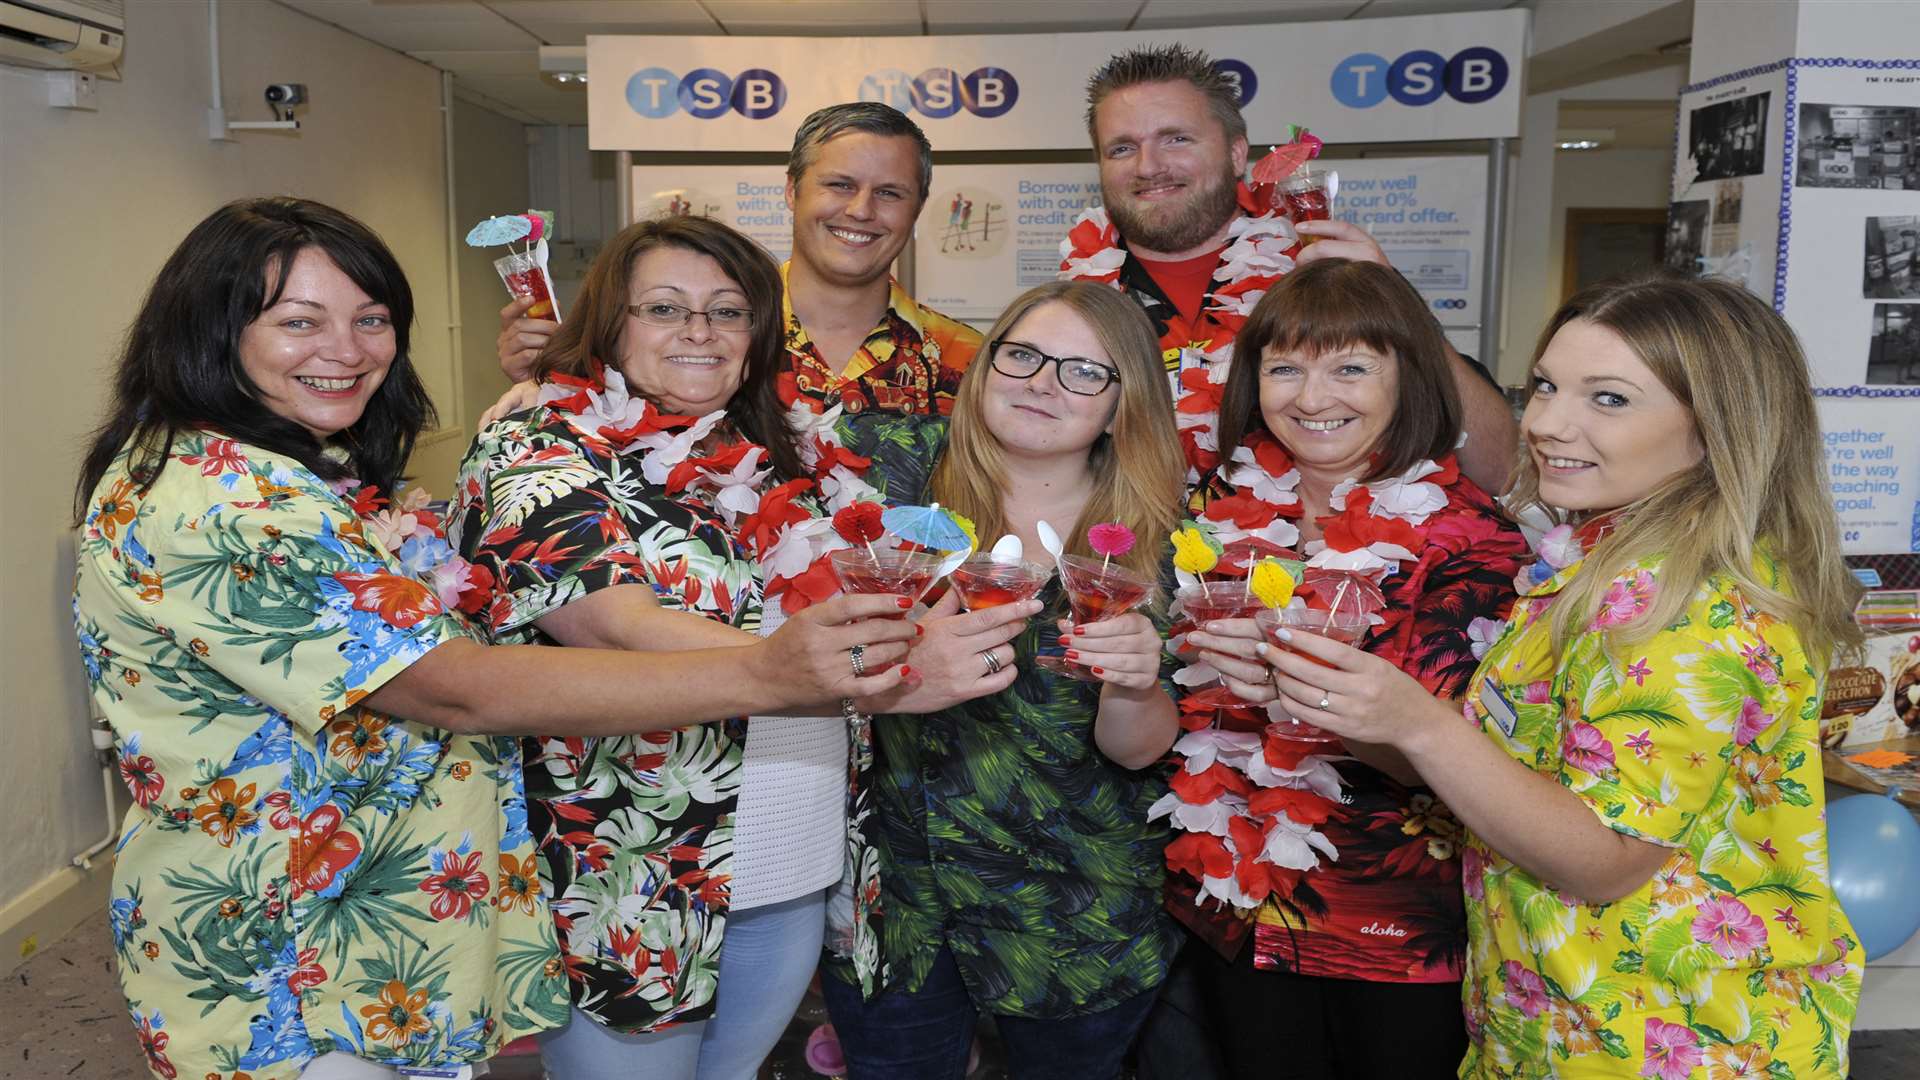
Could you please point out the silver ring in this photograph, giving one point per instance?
(858, 655)
(1326, 702)
(993, 662)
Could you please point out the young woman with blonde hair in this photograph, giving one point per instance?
(1020, 876)
(1646, 872)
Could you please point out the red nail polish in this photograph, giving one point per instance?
(1064, 638)
(919, 631)
(1073, 654)
(903, 602)
(906, 671)
(1079, 629)
(1099, 671)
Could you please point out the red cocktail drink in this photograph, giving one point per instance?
(1305, 198)
(1095, 592)
(984, 581)
(1345, 627)
(904, 573)
(1205, 602)
(524, 278)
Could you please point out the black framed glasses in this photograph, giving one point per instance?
(729, 320)
(1077, 374)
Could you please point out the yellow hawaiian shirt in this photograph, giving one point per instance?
(297, 874)
(910, 363)
(1734, 960)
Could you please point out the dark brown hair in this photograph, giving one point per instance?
(599, 319)
(1338, 303)
(181, 368)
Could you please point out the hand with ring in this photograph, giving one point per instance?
(845, 647)
(1354, 694)
(959, 656)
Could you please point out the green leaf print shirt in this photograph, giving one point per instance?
(1004, 835)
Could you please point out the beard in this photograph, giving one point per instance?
(1171, 229)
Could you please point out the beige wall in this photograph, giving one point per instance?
(91, 203)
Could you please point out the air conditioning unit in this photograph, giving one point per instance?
(81, 35)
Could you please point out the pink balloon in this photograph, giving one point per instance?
(823, 1053)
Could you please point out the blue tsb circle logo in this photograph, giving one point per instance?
(657, 93)
(1421, 77)
(938, 93)
(1450, 303)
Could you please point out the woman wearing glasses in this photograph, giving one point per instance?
(1020, 876)
(625, 510)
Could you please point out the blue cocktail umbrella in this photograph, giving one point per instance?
(928, 526)
(496, 231)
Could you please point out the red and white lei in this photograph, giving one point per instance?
(787, 528)
(1248, 802)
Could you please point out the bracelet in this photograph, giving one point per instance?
(851, 713)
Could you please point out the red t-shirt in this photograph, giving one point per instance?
(1185, 281)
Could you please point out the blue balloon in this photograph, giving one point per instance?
(1873, 853)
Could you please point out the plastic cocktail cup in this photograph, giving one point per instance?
(1347, 628)
(906, 573)
(523, 278)
(1204, 602)
(1305, 198)
(1096, 593)
(985, 581)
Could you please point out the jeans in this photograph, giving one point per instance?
(927, 1034)
(767, 957)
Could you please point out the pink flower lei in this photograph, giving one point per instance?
(1247, 801)
(787, 527)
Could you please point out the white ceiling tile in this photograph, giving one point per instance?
(1380, 9)
(1027, 16)
(568, 22)
(413, 25)
(476, 62)
(1168, 14)
(817, 17)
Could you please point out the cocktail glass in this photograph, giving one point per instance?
(521, 272)
(1345, 627)
(1306, 198)
(1209, 600)
(905, 573)
(985, 581)
(1096, 593)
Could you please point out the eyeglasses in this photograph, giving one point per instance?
(1077, 374)
(730, 320)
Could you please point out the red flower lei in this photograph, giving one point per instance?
(1247, 803)
(1261, 246)
(787, 528)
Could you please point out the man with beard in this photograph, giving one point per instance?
(1172, 146)
(857, 177)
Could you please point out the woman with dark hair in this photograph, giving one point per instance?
(1337, 427)
(651, 500)
(326, 869)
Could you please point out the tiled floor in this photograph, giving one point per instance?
(63, 1018)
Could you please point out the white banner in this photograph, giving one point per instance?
(1456, 76)
(990, 232)
(751, 198)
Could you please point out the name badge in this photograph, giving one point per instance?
(1499, 708)
(437, 1072)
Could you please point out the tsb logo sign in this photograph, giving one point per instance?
(755, 93)
(1473, 75)
(938, 93)
(1450, 303)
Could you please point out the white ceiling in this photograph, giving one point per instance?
(492, 46)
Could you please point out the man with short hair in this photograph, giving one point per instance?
(1172, 146)
(857, 177)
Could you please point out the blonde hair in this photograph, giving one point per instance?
(1737, 367)
(1139, 474)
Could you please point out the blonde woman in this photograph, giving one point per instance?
(1646, 871)
(1020, 876)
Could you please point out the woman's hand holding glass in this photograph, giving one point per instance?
(1352, 693)
(1123, 651)
(958, 656)
(845, 647)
